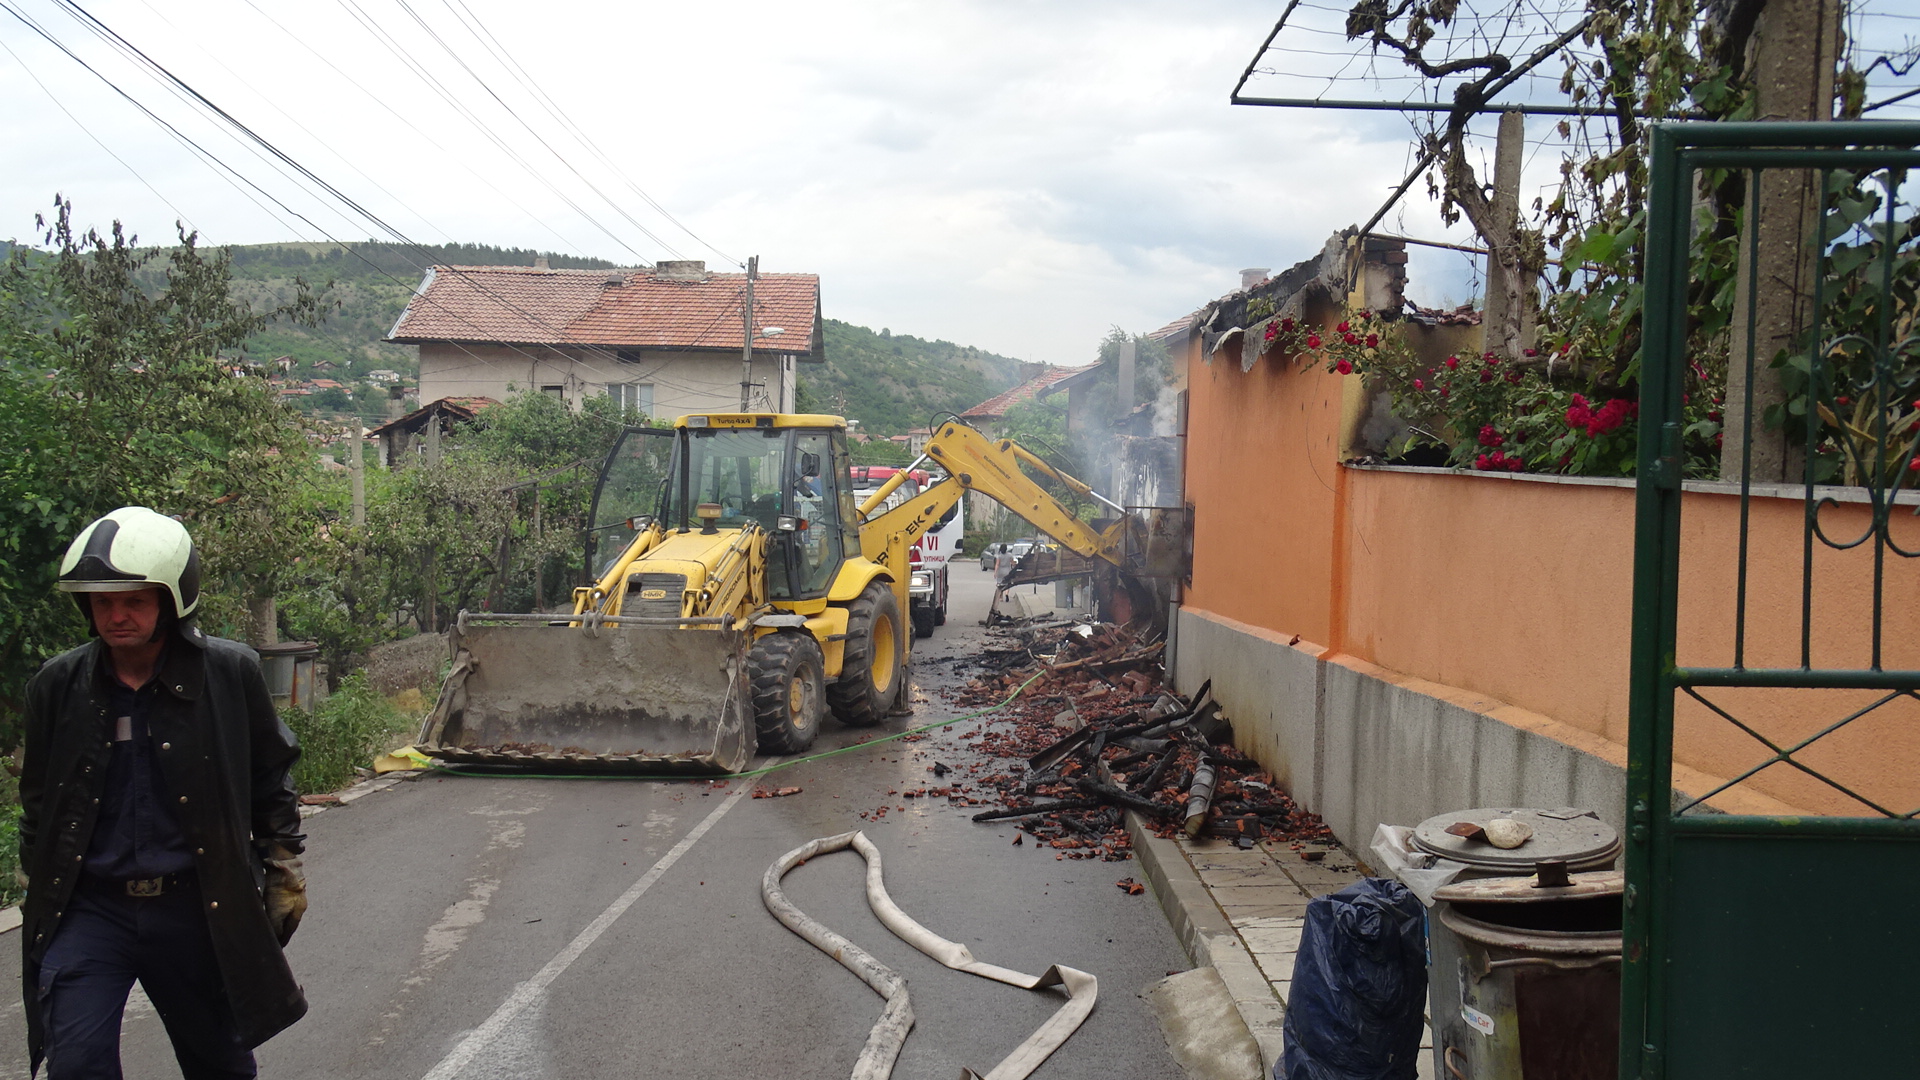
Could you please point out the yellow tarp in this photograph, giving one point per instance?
(401, 760)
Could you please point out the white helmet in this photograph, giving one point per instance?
(134, 548)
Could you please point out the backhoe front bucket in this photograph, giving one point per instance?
(625, 699)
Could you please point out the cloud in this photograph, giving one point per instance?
(1009, 175)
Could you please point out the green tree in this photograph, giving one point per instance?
(114, 391)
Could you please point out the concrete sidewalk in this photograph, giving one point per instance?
(1242, 913)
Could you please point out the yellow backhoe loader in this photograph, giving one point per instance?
(741, 595)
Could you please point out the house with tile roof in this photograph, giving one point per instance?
(406, 438)
(667, 340)
(992, 410)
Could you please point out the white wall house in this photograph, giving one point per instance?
(666, 340)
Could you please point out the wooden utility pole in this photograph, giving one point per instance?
(1795, 49)
(746, 342)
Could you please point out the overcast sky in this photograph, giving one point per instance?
(1017, 176)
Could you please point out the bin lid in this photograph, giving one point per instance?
(1570, 834)
(1522, 890)
(290, 648)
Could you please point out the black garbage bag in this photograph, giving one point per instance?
(1359, 986)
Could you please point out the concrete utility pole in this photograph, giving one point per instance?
(746, 345)
(1508, 316)
(1794, 51)
(357, 473)
(1122, 415)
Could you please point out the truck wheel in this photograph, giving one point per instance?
(923, 620)
(788, 683)
(870, 673)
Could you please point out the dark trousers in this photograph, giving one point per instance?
(107, 940)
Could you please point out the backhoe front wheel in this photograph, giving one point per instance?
(788, 677)
(871, 668)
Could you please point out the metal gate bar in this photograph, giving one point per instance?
(1767, 945)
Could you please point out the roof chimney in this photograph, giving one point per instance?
(681, 269)
(540, 263)
(1252, 275)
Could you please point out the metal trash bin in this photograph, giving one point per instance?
(1525, 976)
(1569, 834)
(292, 670)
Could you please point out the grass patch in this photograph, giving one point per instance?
(343, 732)
(10, 891)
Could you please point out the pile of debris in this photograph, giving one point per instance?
(1100, 733)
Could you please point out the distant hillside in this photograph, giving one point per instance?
(888, 382)
(371, 282)
(892, 383)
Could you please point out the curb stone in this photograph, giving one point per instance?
(1242, 913)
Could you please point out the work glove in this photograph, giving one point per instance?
(286, 895)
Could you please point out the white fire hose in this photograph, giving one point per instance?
(888, 1035)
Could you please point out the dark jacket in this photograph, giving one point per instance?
(224, 753)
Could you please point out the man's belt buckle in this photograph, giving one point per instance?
(147, 887)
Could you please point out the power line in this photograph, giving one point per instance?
(429, 139)
(278, 154)
(213, 160)
(58, 104)
(561, 158)
(553, 108)
(380, 34)
(180, 86)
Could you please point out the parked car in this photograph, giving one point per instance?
(1015, 548)
(991, 554)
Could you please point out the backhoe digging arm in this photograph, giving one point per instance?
(977, 463)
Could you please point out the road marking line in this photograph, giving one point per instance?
(528, 992)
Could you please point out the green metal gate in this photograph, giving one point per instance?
(1773, 943)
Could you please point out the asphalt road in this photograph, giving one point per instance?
(480, 928)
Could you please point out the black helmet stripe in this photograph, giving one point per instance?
(96, 562)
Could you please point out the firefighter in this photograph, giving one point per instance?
(159, 829)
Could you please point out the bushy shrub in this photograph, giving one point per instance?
(344, 731)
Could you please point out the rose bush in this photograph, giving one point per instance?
(1491, 415)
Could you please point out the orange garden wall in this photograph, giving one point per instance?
(1507, 599)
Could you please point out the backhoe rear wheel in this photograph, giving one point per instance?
(871, 670)
(788, 678)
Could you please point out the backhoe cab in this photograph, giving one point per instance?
(739, 595)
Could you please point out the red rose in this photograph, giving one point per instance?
(1313, 341)
(1343, 367)
(1453, 362)
(1343, 328)
(1843, 400)
(1286, 325)
(1351, 339)
(1373, 341)
(1419, 384)
(1514, 464)
(1480, 462)
(1486, 376)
